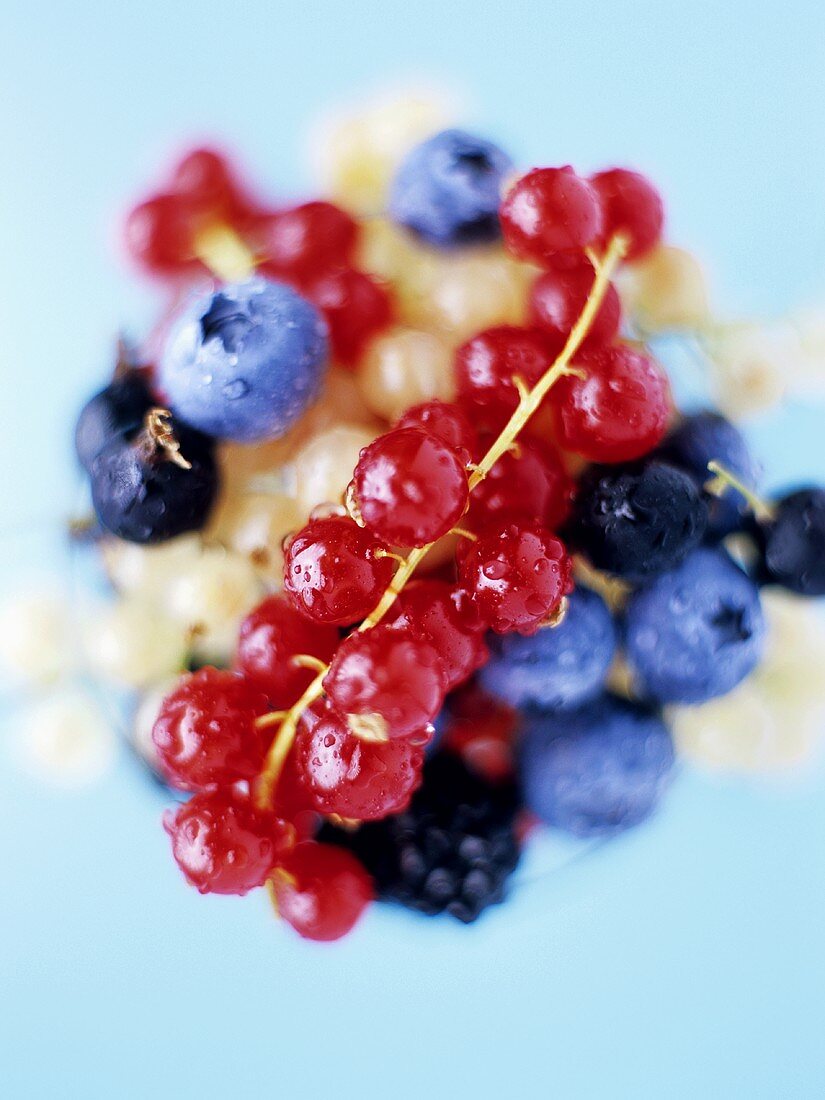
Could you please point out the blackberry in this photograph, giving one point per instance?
(451, 851)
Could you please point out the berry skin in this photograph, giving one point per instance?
(792, 545)
(637, 521)
(204, 180)
(448, 189)
(205, 732)
(618, 412)
(353, 778)
(159, 237)
(595, 771)
(550, 211)
(693, 444)
(142, 495)
(117, 410)
(451, 852)
(558, 667)
(695, 632)
(356, 307)
(321, 891)
(516, 577)
(270, 637)
(447, 422)
(527, 484)
(632, 206)
(304, 240)
(223, 844)
(486, 364)
(334, 571)
(386, 683)
(558, 297)
(442, 615)
(410, 487)
(244, 362)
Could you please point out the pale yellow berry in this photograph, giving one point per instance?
(36, 637)
(148, 570)
(210, 601)
(404, 367)
(459, 295)
(751, 365)
(666, 290)
(357, 151)
(144, 720)
(134, 642)
(255, 525)
(324, 466)
(389, 251)
(65, 739)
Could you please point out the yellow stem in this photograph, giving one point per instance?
(224, 253)
(723, 480)
(529, 402)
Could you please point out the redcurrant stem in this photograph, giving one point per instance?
(529, 402)
(723, 480)
(463, 533)
(306, 660)
(225, 253)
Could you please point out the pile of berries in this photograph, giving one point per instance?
(414, 502)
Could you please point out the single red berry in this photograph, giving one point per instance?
(528, 483)
(558, 297)
(204, 180)
(619, 411)
(335, 571)
(409, 487)
(630, 205)
(321, 890)
(482, 730)
(548, 211)
(205, 732)
(223, 844)
(447, 422)
(516, 577)
(356, 307)
(306, 240)
(270, 636)
(353, 778)
(486, 364)
(386, 683)
(159, 236)
(444, 616)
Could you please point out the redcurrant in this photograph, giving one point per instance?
(486, 365)
(305, 240)
(158, 236)
(448, 422)
(444, 616)
(205, 732)
(356, 307)
(321, 890)
(336, 571)
(558, 297)
(353, 778)
(517, 577)
(204, 179)
(410, 487)
(630, 205)
(548, 211)
(386, 683)
(619, 411)
(223, 844)
(528, 483)
(482, 730)
(270, 636)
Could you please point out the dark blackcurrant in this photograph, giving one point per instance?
(118, 409)
(792, 543)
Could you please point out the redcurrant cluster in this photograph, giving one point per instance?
(362, 739)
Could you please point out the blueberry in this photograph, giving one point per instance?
(792, 544)
(695, 632)
(693, 444)
(637, 520)
(448, 189)
(597, 770)
(117, 409)
(559, 666)
(141, 494)
(244, 362)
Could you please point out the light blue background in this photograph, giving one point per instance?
(684, 961)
